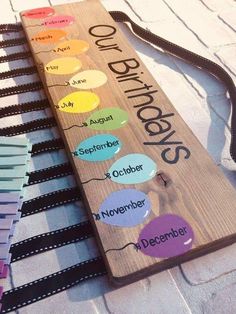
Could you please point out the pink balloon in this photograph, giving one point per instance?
(59, 21)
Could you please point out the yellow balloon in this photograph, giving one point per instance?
(88, 79)
(79, 102)
(71, 47)
(62, 66)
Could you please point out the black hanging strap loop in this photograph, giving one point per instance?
(20, 89)
(52, 284)
(192, 58)
(50, 200)
(50, 173)
(18, 72)
(15, 56)
(10, 28)
(47, 146)
(23, 108)
(35, 125)
(50, 240)
(13, 42)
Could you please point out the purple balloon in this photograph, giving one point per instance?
(166, 236)
(125, 208)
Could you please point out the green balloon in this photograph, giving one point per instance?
(107, 119)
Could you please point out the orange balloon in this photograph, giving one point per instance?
(49, 36)
(71, 47)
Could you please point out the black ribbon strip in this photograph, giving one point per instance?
(23, 108)
(49, 173)
(51, 240)
(50, 200)
(18, 72)
(15, 56)
(27, 127)
(13, 90)
(47, 146)
(10, 28)
(13, 42)
(52, 284)
(192, 58)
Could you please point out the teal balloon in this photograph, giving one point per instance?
(132, 169)
(98, 147)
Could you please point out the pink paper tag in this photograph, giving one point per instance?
(9, 208)
(9, 197)
(4, 272)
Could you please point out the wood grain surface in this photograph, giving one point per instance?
(193, 188)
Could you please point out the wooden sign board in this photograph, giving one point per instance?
(154, 195)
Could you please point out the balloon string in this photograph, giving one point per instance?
(75, 125)
(96, 216)
(36, 53)
(63, 85)
(33, 25)
(122, 248)
(94, 179)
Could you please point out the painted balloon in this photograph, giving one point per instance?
(125, 208)
(63, 66)
(79, 102)
(49, 36)
(107, 119)
(166, 236)
(39, 13)
(88, 79)
(98, 147)
(132, 169)
(71, 47)
(59, 21)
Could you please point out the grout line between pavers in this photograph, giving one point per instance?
(180, 294)
(184, 23)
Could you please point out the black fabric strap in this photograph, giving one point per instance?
(10, 28)
(15, 56)
(51, 240)
(27, 127)
(47, 146)
(50, 200)
(52, 284)
(14, 90)
(12, 42)
(49, 173)
(18, 72)
(23, 108)
(192, 58)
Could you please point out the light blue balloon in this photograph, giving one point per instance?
(125, 208)
(132, 169)
(98, 147)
